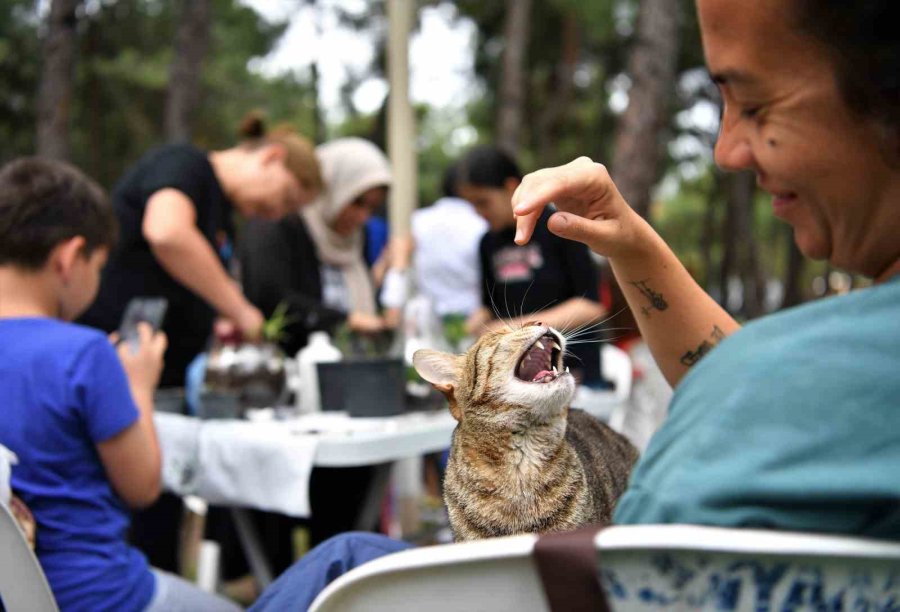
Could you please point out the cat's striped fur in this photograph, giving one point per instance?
(521, 460)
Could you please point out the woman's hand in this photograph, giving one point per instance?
(143, 366)
(365, 323)
(591, 209)
(250, 322)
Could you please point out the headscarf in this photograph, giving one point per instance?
(350, 167)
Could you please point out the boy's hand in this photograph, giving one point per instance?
(143, 366)
(591, 209)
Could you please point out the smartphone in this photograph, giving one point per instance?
(150, 310)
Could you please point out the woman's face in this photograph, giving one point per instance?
(785, 119)
(355, 214)
(269, 190)
(492, 203)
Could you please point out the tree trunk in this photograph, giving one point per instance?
(560, 87)
(511, 95)
(793, 292)
(743, 188)
(54, 103)
(183, 94)
(709, 231)
(651, 67)
(729, 238)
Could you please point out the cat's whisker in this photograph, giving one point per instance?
(496, 311)
(590, 326)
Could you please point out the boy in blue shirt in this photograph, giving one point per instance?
(78, 415)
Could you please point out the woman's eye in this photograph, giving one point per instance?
(750, 112)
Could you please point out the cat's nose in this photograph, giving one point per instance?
(534, 324)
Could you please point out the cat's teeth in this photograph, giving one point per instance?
(567, 369)
(539, 345)
(555, 371)
(557, 346)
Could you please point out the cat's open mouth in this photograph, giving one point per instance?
(542, 362)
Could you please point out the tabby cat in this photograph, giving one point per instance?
(521, 460)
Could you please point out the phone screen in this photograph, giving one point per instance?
(146, 309)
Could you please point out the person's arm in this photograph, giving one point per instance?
(567, 315)
(679, 321)
(169, 226)
(132, 458)
(478, 321)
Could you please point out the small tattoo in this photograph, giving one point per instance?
(657, 301)
(692, 357)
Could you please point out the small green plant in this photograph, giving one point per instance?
(273, 329)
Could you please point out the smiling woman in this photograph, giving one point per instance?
(790, 422)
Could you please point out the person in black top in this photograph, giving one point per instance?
(550, 280)
(174, 208)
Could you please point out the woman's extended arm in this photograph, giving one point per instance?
(679, 321)
(169, 226)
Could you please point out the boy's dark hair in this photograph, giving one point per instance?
(487, 166)
(42, 203)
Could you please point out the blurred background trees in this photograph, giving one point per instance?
(98, 82)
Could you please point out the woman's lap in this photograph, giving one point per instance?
(302, 582)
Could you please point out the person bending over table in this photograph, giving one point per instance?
(791, 422)
(174, 208)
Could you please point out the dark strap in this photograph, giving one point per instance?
(568, 566)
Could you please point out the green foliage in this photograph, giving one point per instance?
(273, 329)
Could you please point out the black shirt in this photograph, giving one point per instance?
(520, 280)
(133, 271)
(279, 264)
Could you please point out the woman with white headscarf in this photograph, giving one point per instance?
(314, 261)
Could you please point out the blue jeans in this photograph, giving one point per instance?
(175, 594)
(296, 588)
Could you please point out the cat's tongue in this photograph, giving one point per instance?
(539, 377)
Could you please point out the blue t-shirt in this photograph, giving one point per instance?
(791, 423)
(63, 390)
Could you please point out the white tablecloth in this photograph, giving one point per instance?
(267, 464)
(238, 463)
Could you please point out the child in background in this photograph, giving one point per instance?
(78, 416)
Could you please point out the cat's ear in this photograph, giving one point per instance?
(440, 369)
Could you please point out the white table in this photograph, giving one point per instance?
(340, 442)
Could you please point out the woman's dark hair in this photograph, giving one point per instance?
(449, 181)
(44, 202)
(863, 38)
(487, 166)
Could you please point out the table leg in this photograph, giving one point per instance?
(252, 547)
(368, 513)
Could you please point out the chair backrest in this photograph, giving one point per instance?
(673, 566)
(23, 586)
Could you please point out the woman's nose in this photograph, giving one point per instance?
(733, 150)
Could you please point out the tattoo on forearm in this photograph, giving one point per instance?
(692, 357)
(657, 301)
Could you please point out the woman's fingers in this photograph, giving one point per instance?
(574, 188)
(593, 233)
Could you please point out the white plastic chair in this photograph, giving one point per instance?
(23, 586)
(643, 567)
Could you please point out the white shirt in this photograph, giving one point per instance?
(447, 236)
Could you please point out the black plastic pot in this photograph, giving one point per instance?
(363, 388)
